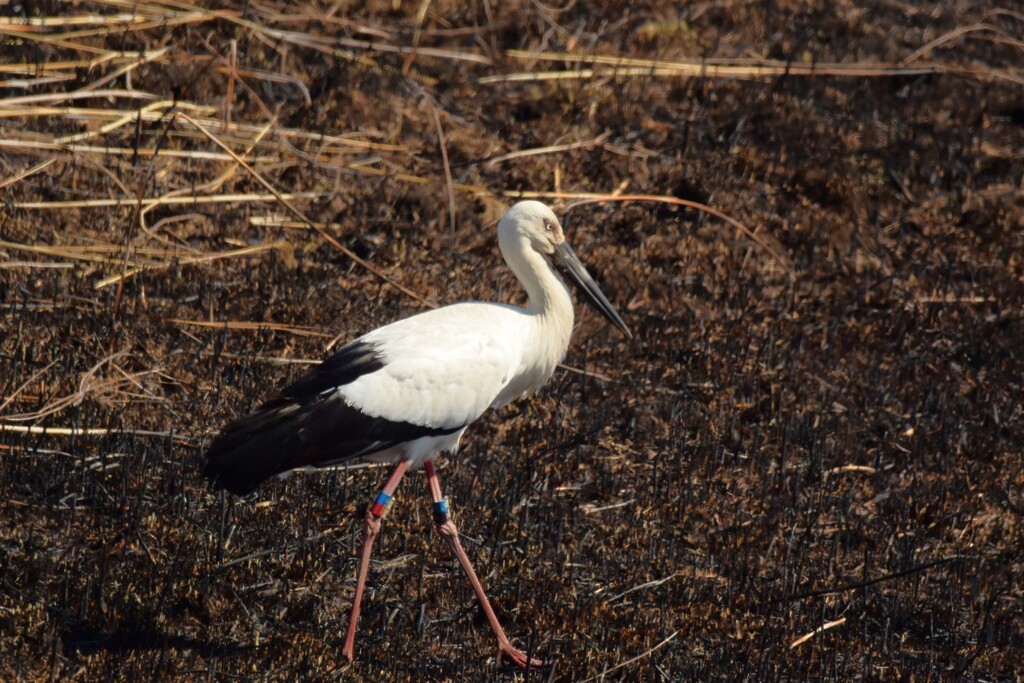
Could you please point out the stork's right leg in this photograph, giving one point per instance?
(374, 515)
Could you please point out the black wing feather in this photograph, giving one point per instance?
(307, 424)
(347, 365)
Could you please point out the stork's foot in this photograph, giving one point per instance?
(518, 656)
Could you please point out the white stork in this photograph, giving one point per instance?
(408, 390)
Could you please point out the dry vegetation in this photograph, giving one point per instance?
(806, 466)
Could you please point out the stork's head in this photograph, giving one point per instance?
(532, 226)
(533, 223)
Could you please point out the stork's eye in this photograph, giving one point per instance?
(549, 226)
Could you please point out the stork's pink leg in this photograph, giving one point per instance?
(377, 510)
(450, 534)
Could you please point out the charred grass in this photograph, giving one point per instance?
(807, 464)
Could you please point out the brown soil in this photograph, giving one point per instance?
(825, 443)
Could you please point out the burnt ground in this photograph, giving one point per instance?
(826, 442)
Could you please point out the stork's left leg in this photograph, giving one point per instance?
(374, 515)
(450, 534)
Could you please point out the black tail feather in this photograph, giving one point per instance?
(286, 434)
(281, 436)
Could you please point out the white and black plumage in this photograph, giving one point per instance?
(407, 391)
(313, 423)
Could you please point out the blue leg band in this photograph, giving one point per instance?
(441, 511)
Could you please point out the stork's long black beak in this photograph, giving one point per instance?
(566, 260)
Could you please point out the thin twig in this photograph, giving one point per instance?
(870, 582)
(187, 201)
(588, 373)
(824, 627)
(632, 660)
(643, 586)
(850, 468)
(447, 175)
(550, 149)
(27, 383)
(26, 173)
(249, 326)
(192, 260)
(89, 431)
(611, 66)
